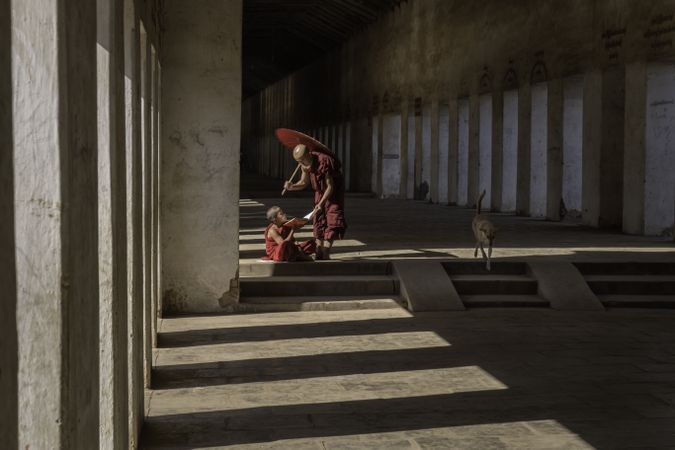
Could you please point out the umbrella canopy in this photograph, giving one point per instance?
(291, 138)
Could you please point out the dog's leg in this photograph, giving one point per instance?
(489, 255)
(475, 250)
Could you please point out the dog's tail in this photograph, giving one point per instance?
(480, 200)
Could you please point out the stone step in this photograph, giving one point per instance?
(499, 301)
(478, 267)
(269, 269)
(290, 304)
(280, 286)
(638, 301)
(494, 284)
(631, 284)
(626, 268)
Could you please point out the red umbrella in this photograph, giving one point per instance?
(291, 138)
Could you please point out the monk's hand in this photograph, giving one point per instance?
(317, 210)
(288, 185)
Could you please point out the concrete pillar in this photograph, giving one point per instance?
(453, 142)
(8, 330)
(463, 117)
(112, 232)
(410, 146)
(573, 89)
(509, 153)
(634, 144)
(146, 162)
(434, 156)
(134, 220)
(403, 160)
(374, 146)
(391, 148)
(200, 172)
(56, 223)
(154, 175)
(538, 149)
(602, 172)
(380, 153)
(523, 172)
(485, 148)
(473, 159)
(443, 157)
(425, 183)
(659, 158)
(347, 163)
(419, 149)
(554, 157)
(497, 150)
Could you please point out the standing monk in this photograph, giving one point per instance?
(324, 173)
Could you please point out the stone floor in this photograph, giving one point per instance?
(385, 379)
(401, 229)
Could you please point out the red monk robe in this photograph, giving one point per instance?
(287, 250)
(329, 223)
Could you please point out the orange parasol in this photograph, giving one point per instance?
(291, 138)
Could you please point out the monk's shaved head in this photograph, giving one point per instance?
(272, 213)
(299, 152)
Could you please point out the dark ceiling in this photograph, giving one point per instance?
(281, 36)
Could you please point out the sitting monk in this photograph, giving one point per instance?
(279, 241)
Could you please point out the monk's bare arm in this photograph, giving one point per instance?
(274, 234)
(328, 192)
(301, 184)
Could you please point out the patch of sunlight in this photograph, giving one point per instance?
(405, 384)
(358, 341)
(508, 435)
(243, 321)
(252, 230)
(378, 253)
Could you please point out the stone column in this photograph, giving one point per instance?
(112, 232)
(523, 172)
(497, 146)
(452, 151)
(602, 171)
(634, 145)
(554, 157)
(154, 149)
(380, 143)
(8, 330)
(418, 148)
(200, 169)
(134, 223)
(434, 153)
(146, 141)
(474, 132)
(403, 156)
(56, 218)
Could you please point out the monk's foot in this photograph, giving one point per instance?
(319, 254)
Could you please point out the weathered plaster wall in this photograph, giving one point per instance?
(201, 123)
(391, 167)
(463, 152)
(485, 149)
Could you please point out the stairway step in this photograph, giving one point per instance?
(280, 286)
(317, 305)
(478, 267)
(638, 301)
(499, 301)
(626, 268)
(494, 284)
(631, 284)
(333, 268)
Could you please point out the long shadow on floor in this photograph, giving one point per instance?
(607, 377)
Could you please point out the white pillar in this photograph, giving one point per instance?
(509, 151)
(538, 150)
(55, 195)
(201, 100)
(112, 238)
